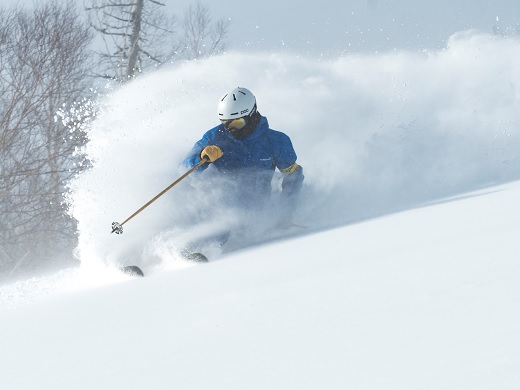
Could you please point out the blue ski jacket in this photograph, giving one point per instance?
(250, 164)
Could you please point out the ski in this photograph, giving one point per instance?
(195, 257)
(132, 270)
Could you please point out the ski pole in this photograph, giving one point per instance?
(118, 227)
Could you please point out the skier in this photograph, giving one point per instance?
(245, 152)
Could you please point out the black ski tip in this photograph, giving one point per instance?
(196, 257)
(132, 270)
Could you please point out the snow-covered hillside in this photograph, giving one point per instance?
(424, 299)
(406, 276)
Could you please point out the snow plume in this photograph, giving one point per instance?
(374, 134)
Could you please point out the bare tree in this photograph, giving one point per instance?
(202, 37)
(134, 33)
(44, 63)
(137, 35)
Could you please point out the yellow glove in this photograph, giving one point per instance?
(211, 153)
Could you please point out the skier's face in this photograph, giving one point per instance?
(240, 128)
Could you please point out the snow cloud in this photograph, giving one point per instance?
(374, 134)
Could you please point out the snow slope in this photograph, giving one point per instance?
(423, 299)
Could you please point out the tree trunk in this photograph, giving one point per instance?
(137, 15)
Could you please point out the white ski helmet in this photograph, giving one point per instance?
(238, 103)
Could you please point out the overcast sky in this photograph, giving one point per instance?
(342, 26)
(332, 27)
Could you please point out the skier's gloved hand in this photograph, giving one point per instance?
(211, 153)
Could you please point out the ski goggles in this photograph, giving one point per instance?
(233, 124)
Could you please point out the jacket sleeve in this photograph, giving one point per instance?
(193, 157)
(292, 177)
(291, 187)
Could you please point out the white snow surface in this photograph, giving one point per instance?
(406, 276)
(423, 299)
